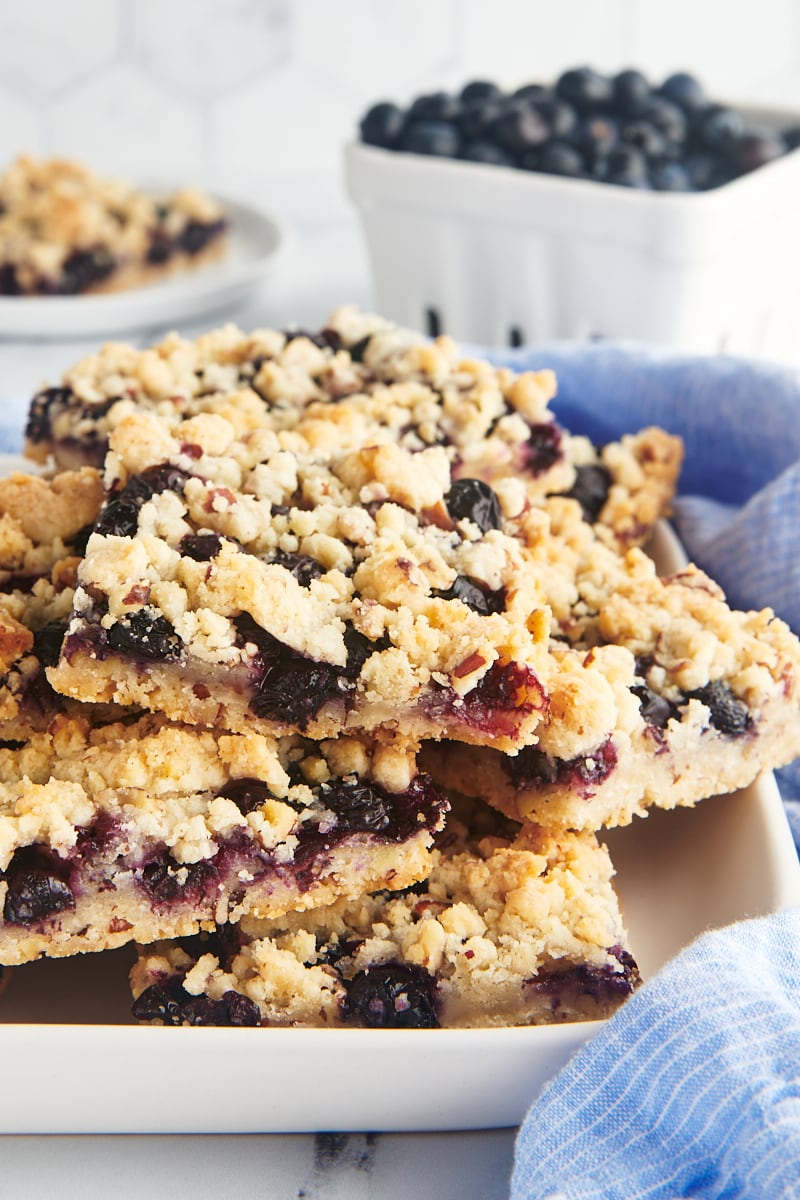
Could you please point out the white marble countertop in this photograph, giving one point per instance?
(322, 269)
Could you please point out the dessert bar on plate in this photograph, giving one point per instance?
(361, 381)
(230, 582)
(143, 830)
(516, 927)
(704, 697)
(66, 230)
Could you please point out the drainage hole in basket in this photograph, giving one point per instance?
(433, 322)
(516, 337)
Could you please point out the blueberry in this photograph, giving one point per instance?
(625, 166)
(382, 125)
(83, 268)
(721, 128)
(685, 91)
(360, 807)
(560, 158)
(119, 516)
(559, 117)
(9, 284)
(473, 500)
(36, 887)
(197, 234)
(791, 137)
(145, 634)
(440, 138)
(246, 794)
(201, 547)
(586, 89)
(479, 89)
(668, 119)
(728, 714)
(167, 881)
(484, 151)
(530, 91)
(755, 149)
(519, 129)
(476, 119)
(669, 176)
(631, 93)
(392, 996)
(596, 136)
(479, 599)
(291, 688)
(655, 709)
(301, 566)
(645, 137)
(433, 106)
(39, 427)
(170, 1004)
(47, 642)
(701, 167)
(590, 489)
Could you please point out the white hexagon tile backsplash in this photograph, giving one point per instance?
(256, 97)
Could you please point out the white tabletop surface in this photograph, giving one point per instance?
(320, 270)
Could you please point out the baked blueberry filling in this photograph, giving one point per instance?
(191, 240)
(37, 886)
(474, 500)
(728, 715)
(583, 773)
(147, 635)
(169, 1003)
(477, 597)
(501, 698)
(590, 489)
(603, 984)
(392, 996)
(119, 516)
(543, 448)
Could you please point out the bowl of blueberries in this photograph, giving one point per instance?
(598, 205)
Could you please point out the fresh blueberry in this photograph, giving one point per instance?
(476, 118)
(530, 91)
(721, 128)
(625, 166)
(382, 125)
(668, 119)
(559, 117)
(433, 106)
(597, 136)
(439, 138)
(519, 129)
(560, 158)
(631, 93)
(670, 176)
(756, 148)
(484, 151)
(684, 90)
(791, 137)
(701, 167)
(645, 137)
(473, 500)
(586, 89)
(479, 89)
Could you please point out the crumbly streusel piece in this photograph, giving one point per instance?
(705, 698)
(503, 931)
(363, 381)
(44, 524)
(146, 830)
(231, 583)
(65, 229)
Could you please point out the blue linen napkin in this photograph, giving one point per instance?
(693, 1088)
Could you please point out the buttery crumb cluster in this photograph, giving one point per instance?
(323, 681)
(65, 230)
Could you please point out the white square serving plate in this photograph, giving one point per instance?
(75, 1062)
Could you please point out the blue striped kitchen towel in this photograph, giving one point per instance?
(693, 1088)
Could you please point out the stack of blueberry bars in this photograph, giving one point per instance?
(326, 659)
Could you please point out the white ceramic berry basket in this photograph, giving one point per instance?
(502, 256)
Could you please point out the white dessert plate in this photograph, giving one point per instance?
(74, 1061)
(254, 240)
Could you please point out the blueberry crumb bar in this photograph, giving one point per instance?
(66, 230)
(362, 381)
(144, 830)
(513, 929)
